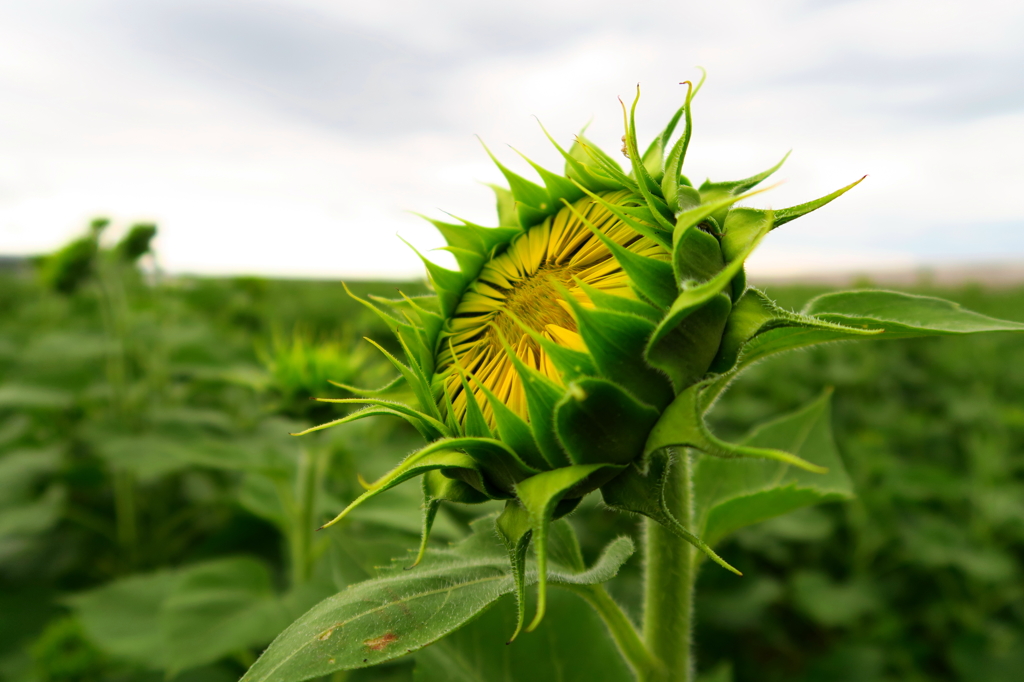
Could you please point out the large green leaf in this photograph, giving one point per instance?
(174, 620)
(402, 611)
(123, 617)
(903, 315)
(572, 640)
(218, 608)
(731, 494)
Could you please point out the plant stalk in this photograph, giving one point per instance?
(670, 573)
(622, 630)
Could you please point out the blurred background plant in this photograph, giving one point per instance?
(156, 520)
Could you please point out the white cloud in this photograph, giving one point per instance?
(291, 137)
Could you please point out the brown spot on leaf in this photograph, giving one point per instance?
(379, 643)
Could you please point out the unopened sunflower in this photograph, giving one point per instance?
(583, 339)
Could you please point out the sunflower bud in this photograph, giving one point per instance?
(582, 340)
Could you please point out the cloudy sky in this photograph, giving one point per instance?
(294, 137)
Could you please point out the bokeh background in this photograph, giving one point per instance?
(155, 517)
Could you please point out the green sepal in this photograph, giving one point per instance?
(438, 488)
(513, 527)
(373, 411)
(616, 342)
(636, 219)
(448, 284)
(570, 363)
(432, 429)
(682, 425)
(605, 162)
(539, 495)
(541, 397)
(525, 192)
(578, 171)
(437, 455)
(696, 297)
(419, 385)
(755, 314)
(620, 304)
(405, 329)
(784, 215)
(501, 466)
(483, 240)
(696, 256)
(653, 159)
(651, 278)
(671, 187)
(470, 262)
(704, 213)
(738, 284)
(428, 329)
(600, 423)
(713, 191)
(387, 388)
(685, 353)
(475, 425)
(557, 186)
(642, 491)
(449, 410)
(645, 183)
(506, 207)
(515, 432)
(740, 186)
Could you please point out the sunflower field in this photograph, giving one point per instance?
(157, 520)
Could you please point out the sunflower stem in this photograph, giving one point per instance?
(622, 630)
(670, 573)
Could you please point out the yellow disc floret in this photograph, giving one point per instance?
(524, 286)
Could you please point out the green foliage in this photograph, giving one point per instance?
(156, 520)
(401, 611)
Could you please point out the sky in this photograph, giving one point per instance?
(300, 138)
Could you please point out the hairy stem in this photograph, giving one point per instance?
(670, 573)
(622, 630)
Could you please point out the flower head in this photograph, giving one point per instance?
(582, 340)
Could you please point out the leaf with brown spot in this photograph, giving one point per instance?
(416, 607)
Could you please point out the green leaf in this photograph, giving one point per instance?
(572, 640)
(123, 617)
(731, 494)
(600, 423)
(903, 315)
(34, 516)
(402, 611)
(218, 608)
(757, 328)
